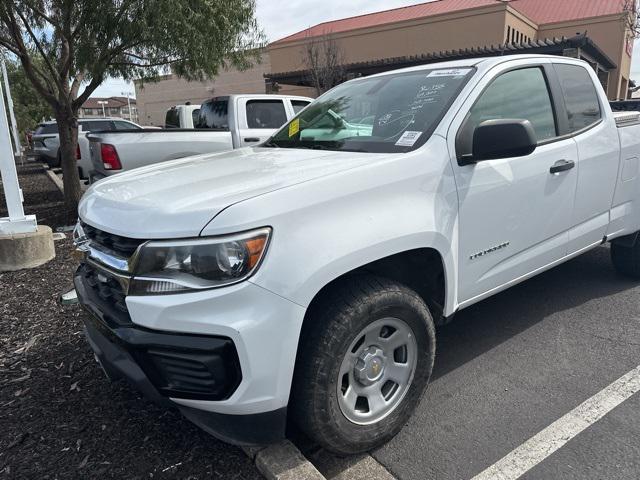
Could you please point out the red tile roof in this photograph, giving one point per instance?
(539, 11)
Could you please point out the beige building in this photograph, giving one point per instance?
(153, 99)
(464, 28)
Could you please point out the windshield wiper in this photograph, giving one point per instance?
(271, 144)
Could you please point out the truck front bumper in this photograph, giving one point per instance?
(227, 372)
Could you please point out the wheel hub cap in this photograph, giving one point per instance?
(369, 366)
(377, 371)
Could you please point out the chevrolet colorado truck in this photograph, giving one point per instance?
(301, 280)
(223, 123)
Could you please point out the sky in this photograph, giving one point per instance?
(300, 14)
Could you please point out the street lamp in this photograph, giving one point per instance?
(103, 103)
(128, 102)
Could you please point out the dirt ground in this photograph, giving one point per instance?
(59, 415)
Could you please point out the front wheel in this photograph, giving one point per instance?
(363, 364)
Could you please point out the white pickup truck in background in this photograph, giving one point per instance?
(301, 279)
(224, 123)
(182, 116)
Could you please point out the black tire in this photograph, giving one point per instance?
(54, 162)
(335, 321)
(626, 257)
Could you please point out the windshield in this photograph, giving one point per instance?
(391, 113)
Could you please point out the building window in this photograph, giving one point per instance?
(508, 34)
(115, 110)
(88, 111)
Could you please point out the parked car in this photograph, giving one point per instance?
(301, 279)
(182, 116)
(223, 123)
(46, 141)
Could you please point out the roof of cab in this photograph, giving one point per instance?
(485, 62)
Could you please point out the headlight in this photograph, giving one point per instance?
(197, 264)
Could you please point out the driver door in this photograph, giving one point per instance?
(514, 213)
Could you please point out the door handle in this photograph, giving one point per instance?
(252, 139)
(562, 166)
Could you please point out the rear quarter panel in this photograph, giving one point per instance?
(625, 211)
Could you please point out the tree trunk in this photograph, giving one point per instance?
(68, 130)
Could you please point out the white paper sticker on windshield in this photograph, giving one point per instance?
(408, 138)
(452, 72)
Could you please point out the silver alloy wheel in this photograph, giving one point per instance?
(377, 371)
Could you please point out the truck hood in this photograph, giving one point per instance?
(178, 198)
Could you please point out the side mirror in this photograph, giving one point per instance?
(504, 138)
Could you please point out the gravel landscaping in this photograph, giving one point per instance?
(59, 415)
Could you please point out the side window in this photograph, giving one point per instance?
(95, 126)
(580, 96)
(125, 126)
(194, 116)
(298, 105)
(519, 94)
(214, 114)
(265, 114)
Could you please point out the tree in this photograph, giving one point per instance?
(630, 11)
(324, 60)
(29, 107)
(81, 43)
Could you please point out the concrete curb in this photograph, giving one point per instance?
(282, 461)
(355, 467)
(55, 179)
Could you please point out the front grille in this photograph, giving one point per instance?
(106, 293)
(122, 246)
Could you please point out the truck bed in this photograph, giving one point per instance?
(138, 148)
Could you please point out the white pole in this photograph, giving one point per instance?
(14, 125)
(17, 222)
(128, 103)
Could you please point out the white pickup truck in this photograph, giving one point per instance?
(301, 280)
(224, 123)
(182, 116)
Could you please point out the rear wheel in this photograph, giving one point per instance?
(55, 162)
(363, 364)
(625, 254)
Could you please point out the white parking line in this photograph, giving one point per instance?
(544, 443)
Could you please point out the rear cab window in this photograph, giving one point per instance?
(266, 114)
(214, 114)
(46, 129)
(172, 118)
(580, 96)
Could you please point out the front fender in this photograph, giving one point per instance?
(330, 226)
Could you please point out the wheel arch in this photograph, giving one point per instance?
(423, 270)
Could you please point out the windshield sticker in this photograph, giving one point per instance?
(454, 72)
(408, 138)
(294, 127)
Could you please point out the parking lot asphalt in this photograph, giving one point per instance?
(512, 365)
